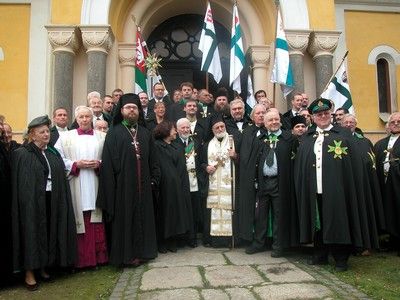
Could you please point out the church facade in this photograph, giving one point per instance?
(53, 52)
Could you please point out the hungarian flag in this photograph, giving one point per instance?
(140, 66)
(237, 54)
(339, 90)
(282, 71)
(209, 46)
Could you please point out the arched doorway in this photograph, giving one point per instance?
(176, 42)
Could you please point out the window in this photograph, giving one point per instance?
(385, 59)
(382, 68)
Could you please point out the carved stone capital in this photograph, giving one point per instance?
(97, 38)
(323, 42)
(63, 38)
(127, 54)
(259, 55)
(297, 40)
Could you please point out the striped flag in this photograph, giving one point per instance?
(237, 54)
(282, 71)
(339, 90)
(250, 101)
(209, 46)
(140, 66)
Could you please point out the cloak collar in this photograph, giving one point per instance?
(84, 132)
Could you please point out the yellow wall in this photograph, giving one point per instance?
(14, 39)
(364, 32)
(66, 12)
(321, 14)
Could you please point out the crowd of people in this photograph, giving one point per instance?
(133, 177)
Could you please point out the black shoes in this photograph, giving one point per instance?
(317, 260)
(276, 253)
(31, 287)
(253, 249)
(341, 266)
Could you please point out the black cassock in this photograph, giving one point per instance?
(174, 192)
(37, 243)
(126, 201)
(342, 189)
(391, 188)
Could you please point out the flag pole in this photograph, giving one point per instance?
(276, 31)
(334, 74)
(148, 51)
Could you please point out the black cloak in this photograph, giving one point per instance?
(391, 188)
(6, 252)
(340, 205)
(248, 154)
(34, 246)
(285, 152)
(372, 199)
(174, 191)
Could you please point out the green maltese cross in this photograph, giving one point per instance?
(337, 149)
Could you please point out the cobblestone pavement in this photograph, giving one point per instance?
(214, 274)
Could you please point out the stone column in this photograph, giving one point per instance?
(126, 56)
(260, 56)
(97, 41)
(321, 47)
(298, 42)
(64, 41)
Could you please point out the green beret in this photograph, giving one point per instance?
(39, 121)
(318, 105)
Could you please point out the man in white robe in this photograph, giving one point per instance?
(81, 150)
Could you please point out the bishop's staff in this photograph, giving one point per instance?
(233, 176)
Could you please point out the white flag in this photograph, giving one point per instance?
(339, 90)
(237, 54)
(282, 71)
(209, 46)
(250, 101)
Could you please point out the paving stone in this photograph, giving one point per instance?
(240, 258)
(232, 276)
(189, 258)
(293, 291)
(179, 294)
(285, 272)
(173, 277)
(240, 294)
(214, 295)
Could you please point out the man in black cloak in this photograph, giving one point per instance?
(125, 187)
(373, 215)
(248, 153)
(325, 182)
(387, 151)
(276, 213)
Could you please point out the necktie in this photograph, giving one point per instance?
(269, 160)
(98, 118)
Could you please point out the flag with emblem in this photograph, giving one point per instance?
(282, 71)
(140, 65)
(250, 101)
(338, 90)
(237, 54)
(209, 46)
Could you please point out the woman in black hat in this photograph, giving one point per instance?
(43, 220)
